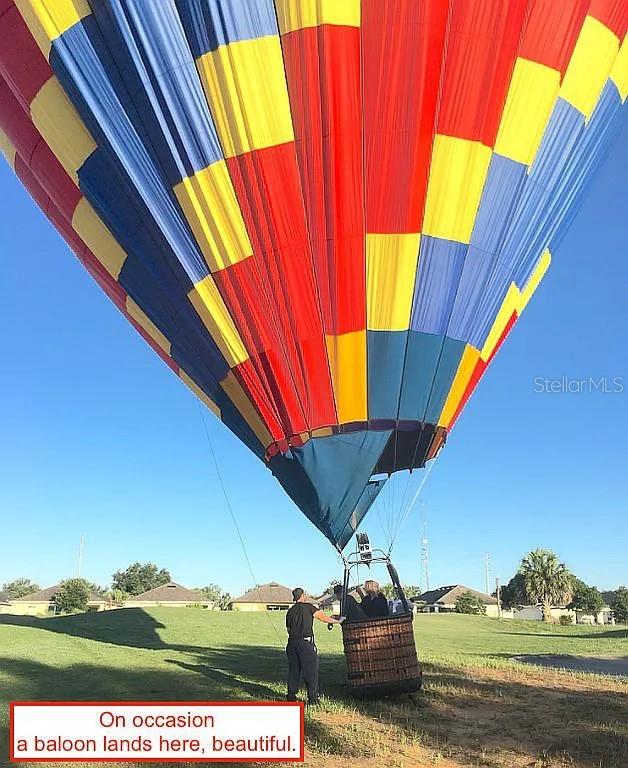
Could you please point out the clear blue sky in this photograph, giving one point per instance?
(99, 438)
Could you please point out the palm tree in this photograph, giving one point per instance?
(546, 580)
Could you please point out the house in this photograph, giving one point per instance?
(604, 616)
(266, 597)
(443, 599)
(330, 603)
(535, 613)
(42, 602)
(170, 595)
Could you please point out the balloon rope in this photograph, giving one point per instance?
(381, 522)
(413, 502)
(402, 507)
(387, 510)
(233, 518)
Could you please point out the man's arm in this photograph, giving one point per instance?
(327, 619)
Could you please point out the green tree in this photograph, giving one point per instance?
(96, 589)
(329, 589)
(409, 591)
(216, 594)
(619, 605)
(211, 592)
(585, 598)
(608, 596)
(388, 591)
(467, 602)
(118, 597)
(138, 578)
(20, 588)
(513, 594)
(547, 581)
(73, 596)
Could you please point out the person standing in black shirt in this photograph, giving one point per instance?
(301, 648)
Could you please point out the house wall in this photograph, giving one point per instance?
(605, 616)
(535, 613)
(255, 606)
(248, 607)
(491, 610)
(154, 604)
(41, 609)
(529, 613)
(28, 609)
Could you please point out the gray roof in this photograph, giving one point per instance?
(273, 594)
(448, 595)
(47, 595)
(169, 593)
(328, 599)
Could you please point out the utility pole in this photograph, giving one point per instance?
(80, 558)
(487, 572)
(498, 595)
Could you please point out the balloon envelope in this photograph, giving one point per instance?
(324, 215)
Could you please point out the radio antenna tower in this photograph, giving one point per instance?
(424, 573)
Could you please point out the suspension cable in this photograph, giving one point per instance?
(412, 503)
(233, 518)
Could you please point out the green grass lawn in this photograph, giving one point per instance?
(195, 654)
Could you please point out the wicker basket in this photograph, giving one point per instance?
(381, 656)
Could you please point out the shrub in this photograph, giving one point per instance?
(73, 596)
(565, 621)
(469, 603)
(118, 597)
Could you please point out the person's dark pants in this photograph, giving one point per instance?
(302, 663)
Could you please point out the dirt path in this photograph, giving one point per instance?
(617, 667)
(498, 718)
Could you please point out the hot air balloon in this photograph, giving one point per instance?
(325, 216)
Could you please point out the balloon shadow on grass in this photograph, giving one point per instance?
(131, 627)
(35, 681)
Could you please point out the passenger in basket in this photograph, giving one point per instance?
(395, 605)
(352, 611)
(374, 603)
